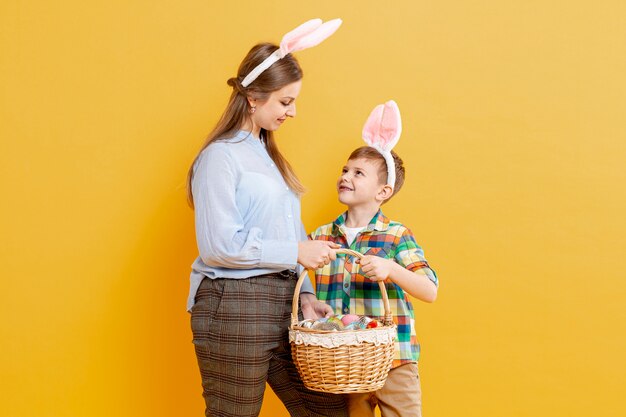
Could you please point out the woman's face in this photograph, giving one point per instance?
(281, 104)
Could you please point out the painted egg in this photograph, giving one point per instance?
(349, 318)
(372, 324)
(308, 323)
(355, 325)
(364, 320)
(327, 326)
(335, 320)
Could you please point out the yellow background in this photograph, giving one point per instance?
(514, 142)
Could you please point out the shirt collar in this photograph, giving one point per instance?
(248, 138)
(379, 223)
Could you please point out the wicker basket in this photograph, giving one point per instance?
(347, 361)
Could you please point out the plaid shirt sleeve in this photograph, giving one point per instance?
(411, 256)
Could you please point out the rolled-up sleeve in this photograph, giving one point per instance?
(306, 285)
(411, 256)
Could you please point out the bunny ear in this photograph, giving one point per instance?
(304, 36)
(383, 127)
(307, 35)
(372, 125)
(291, 38)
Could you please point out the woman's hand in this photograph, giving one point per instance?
(312, 308)
(376, 268)
(314, 254)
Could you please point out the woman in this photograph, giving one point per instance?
(250, 238)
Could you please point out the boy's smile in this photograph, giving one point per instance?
(359, 183)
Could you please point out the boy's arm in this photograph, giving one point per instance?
(410, 271)
(417, 283)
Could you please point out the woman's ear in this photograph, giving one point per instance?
(385, 193)
(251, 101)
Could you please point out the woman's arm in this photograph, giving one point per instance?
(221, 238)
(312, 308)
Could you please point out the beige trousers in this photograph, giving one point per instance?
(401, 396)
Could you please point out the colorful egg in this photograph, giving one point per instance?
(355, 325)
(349, 318)
(364, 320)
(336, 321)
(327, 326)
(372, 324)
(308, 323)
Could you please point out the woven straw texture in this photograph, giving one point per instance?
(343, 362)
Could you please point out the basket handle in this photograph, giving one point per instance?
(387, 320)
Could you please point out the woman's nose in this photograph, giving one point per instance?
(291, 111)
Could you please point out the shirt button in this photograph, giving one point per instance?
(346, 285)
(271, 165)
(346, 310)
(289, 216)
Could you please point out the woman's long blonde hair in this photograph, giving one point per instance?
(283, 72)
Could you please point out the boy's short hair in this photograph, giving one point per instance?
(371, 154)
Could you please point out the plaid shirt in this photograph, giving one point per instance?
(346, 290)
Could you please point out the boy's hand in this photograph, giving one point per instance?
(376, 268)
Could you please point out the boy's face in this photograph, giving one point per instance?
(359, 184)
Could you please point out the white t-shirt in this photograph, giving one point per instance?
(351, 233)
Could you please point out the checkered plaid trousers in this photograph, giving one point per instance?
(240, 333)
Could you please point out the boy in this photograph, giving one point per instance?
(393, 256)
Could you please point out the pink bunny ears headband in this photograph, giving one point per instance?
(382, 131)
(305, 36)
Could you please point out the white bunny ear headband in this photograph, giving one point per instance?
(382, 131)
(305, 36)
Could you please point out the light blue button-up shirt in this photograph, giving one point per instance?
(247, 218)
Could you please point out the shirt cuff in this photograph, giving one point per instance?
(307, 286)
(279, 254)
